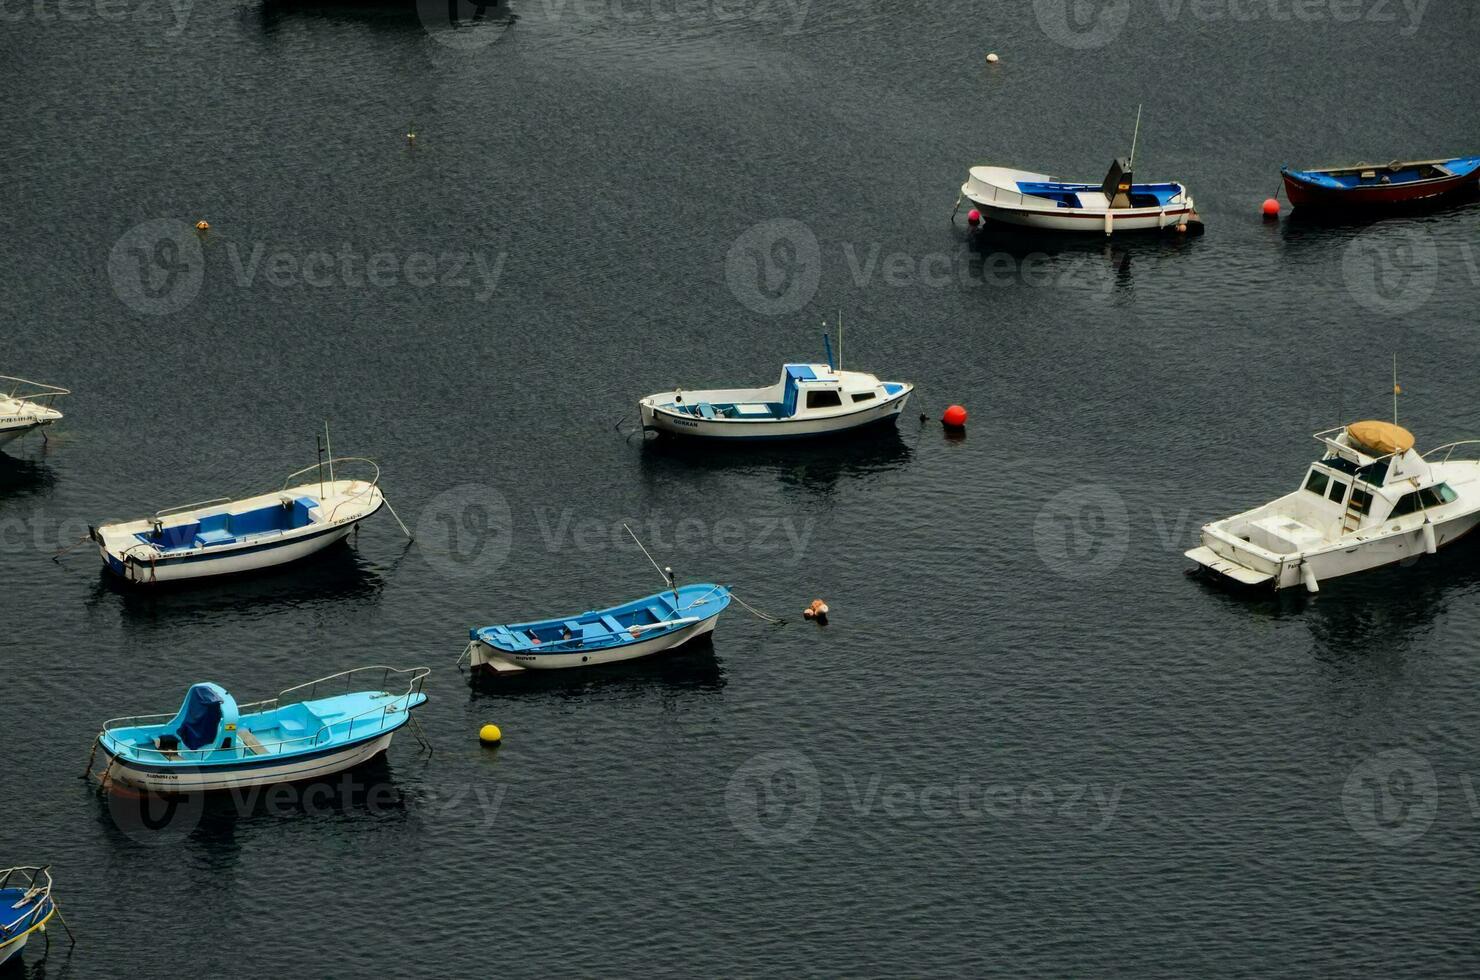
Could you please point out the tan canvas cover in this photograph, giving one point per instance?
(1380, 438)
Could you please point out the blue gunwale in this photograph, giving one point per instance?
(593, 630)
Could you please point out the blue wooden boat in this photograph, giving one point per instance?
(1375, 186)
(306, 732)
(653, 624)
(26, 906)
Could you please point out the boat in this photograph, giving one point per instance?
(1370, 500)
(1026, 199)
(26, 905)
(653, 624)
(26, 406)
(809, 401)
(313, 509)
(306, 732)
(1377, 186)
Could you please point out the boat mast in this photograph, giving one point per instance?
(1136, 138)
(329, 448)
(840, 341)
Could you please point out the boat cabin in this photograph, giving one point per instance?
(804, 389)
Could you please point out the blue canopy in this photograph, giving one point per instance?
(200, 717)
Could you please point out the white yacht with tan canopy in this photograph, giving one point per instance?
(1370, 500)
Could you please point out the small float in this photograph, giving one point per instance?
(313, 509)
(653, 624)
(1376, 186)
(809, 401)
(26, 906)
(1370, 500)
(306, 732)
(26, 406)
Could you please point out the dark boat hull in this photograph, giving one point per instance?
(1303, 194)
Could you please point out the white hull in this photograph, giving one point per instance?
(1335, 562)
(1087, 219)
(487, 657)
(13, 948)
(657, 419)
(245, 560)
(207, 779)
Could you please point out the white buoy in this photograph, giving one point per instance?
(1430, 542)
(992, 58)
(1308, 576)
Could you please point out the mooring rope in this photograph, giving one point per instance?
(756, 612)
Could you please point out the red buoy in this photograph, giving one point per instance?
(954, 417)
(1271, 208)
(973, 217)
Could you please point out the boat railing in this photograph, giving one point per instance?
(1448, 450)
(32, 392)
(188, 507)
(328, 466)
(341, 683)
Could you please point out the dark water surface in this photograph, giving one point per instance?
(1025, 745)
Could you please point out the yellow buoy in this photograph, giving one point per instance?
(490, 735)
(202, 226)
(992, 59)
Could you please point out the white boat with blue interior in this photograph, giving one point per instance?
(313, 509)
(808, 401)
(306, 732)
(653, 624)
(1370, 500)
(26, 406)
(1027, 199)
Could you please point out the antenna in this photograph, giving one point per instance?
(328, 448)
(1137, 138)
(840, 341)
(320, 443)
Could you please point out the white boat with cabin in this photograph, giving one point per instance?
(1370, 500)
(809, 400)
(26, 406)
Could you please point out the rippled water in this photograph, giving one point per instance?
(1025, 744)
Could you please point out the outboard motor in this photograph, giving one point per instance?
(1117, 186)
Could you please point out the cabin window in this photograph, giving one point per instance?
(1337, 492)
(1407, 504)
(1374, 473)
(864, 397)
(1437, 496)
(1317, 482)
(1361, 501)
(823, 399)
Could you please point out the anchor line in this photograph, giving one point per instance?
(756, 612)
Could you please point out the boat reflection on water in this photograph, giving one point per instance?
(338, 574)
(459, 23)
(808, 464)
(1003, 256)
(211, 820)
(1379, 613)
(23, 477)
(693, 668)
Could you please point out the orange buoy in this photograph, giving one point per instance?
(954, 417)
(202, 226)
(1271, 208)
